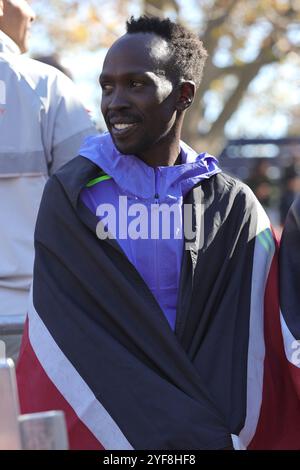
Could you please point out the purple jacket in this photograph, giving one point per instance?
(151, 244)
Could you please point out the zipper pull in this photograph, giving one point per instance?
(156, 195)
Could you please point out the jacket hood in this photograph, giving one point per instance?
(135, 177)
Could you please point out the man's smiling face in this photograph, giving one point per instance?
(138, 96)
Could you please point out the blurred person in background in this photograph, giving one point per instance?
(290, 188)
(262, 186)
(148, 339)
(289, 264)
(54, 61)
(42, 124)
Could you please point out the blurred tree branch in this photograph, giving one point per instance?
(228, 28)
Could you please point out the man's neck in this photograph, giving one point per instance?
(162, 156)
(164, 153)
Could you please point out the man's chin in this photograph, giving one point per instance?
(124, 148)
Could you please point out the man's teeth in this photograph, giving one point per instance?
(122, 126)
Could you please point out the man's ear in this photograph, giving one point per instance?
(1, 7)
(186, 95)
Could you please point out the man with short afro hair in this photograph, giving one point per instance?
(188, 55)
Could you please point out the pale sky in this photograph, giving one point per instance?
(274, 89)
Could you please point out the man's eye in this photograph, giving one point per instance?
(106, 87)
(136, 84)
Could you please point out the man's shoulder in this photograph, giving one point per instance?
(61, 196)
(78, 166)
(226, 183)
(72, 177)
(43, 79)
(292, 223)
(8, 66)
(28, 68)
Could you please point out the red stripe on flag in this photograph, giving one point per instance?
(48, 397)
(279, 421)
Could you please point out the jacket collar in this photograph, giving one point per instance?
(136, 178)
(7, 45)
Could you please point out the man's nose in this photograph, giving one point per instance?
(118, 99)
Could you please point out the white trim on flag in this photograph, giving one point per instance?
(291, 344)
(71, 385)
(263, 253)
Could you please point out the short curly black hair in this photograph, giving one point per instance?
(188, 53)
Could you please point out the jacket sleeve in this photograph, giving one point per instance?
(65, 122)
